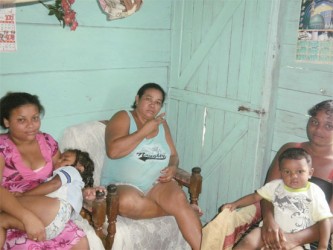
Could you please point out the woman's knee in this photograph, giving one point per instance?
(178, 197)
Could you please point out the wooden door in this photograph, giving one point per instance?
(220, 93)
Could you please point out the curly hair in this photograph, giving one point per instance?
(13, 100)
(326, 106)
(84, 159)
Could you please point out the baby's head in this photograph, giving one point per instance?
(81, 161)
(295, 165)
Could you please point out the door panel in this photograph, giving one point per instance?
(216, 108)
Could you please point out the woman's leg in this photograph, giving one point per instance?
(45, 207)
(172, 200)
(133, 204)
(227, 227)
(251, 241)
(162, 199)
(7, 221)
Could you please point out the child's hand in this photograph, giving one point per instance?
(230, 206)
(89, 194)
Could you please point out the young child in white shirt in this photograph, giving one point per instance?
(298, 203)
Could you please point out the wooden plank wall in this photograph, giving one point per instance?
(92, 72)
(196, 108)
(300, 85)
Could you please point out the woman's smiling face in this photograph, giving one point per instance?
(320, 129)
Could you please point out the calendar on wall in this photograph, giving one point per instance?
(7, 28)
(315, 33)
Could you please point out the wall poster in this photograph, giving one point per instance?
(315, 33)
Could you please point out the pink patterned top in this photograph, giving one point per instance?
(16, 177)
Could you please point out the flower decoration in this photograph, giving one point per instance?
(62, 9)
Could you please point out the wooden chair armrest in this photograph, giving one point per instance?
(192, 181)
(104, 206)
(112, 205)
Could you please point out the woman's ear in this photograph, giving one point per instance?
(6, 122)
(137, 100)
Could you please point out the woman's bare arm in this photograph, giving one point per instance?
(169, 172)
(46, 187)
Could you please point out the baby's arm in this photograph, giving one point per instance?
(46, 187)
(324, 233)
(243, 202)
(61, 176)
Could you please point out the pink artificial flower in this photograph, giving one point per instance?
(63, 11)
(74, 25)
(65, 5)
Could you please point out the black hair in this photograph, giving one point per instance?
(146, 86)
(13, 100)
(84, 159)
(326, 106)
(295, 154)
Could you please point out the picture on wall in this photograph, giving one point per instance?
(315, 33)
(7, 28)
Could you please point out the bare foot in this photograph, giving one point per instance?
(197, 209)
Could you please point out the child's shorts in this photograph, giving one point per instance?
(60, 220)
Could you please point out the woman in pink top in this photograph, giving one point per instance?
(26, 160)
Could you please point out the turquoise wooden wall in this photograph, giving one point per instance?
(232, 54)
(212, 56)
(92, 72)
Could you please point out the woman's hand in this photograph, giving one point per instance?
(17, 194)
(167, 174)
(150, 126)
(272, 235)
(33, 226)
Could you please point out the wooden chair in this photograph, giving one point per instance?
(107, 206)
(89, 137)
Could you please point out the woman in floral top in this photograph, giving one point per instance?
(26, 160)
